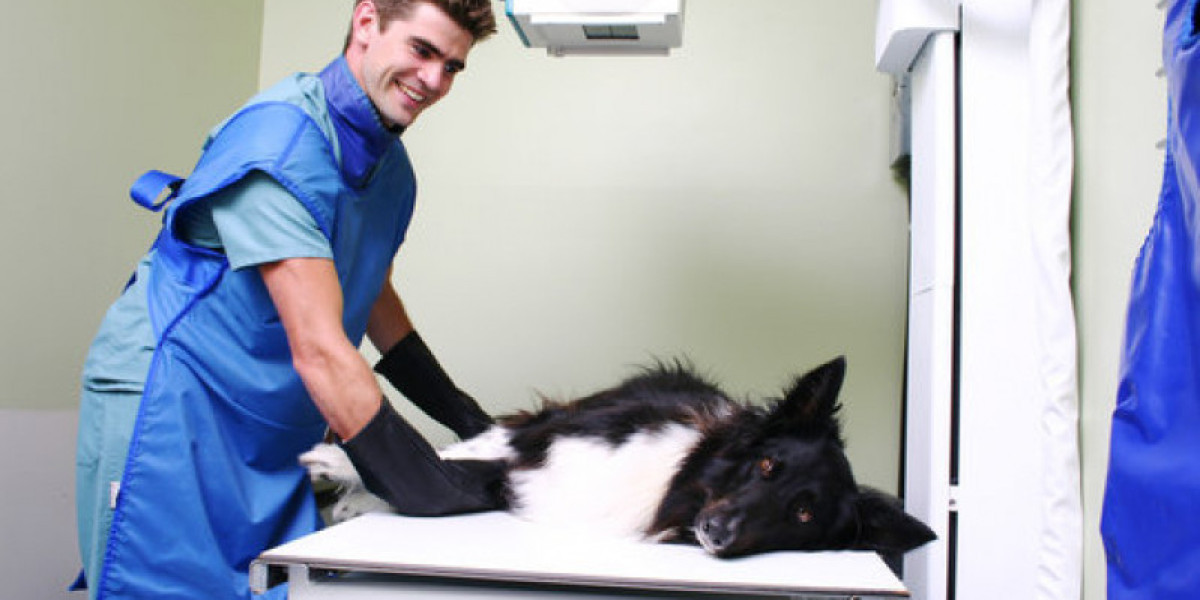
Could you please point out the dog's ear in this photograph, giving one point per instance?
(811, 404)
(884, 526)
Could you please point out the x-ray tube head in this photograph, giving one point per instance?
(599, 27)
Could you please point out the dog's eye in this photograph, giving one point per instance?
(804, 515)
(767, 467)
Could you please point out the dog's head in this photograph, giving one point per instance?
(781, 481)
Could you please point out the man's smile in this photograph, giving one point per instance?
(412, 93)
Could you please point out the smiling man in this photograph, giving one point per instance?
(406, 69)
(235, 345)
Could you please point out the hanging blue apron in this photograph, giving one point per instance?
(212, 478)
(1150, 522)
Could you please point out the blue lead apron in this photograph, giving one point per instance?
(212, 477)
(1151, 523)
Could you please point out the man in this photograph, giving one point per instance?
(235, 345)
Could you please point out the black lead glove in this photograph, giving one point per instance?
(412, 369)
(399, 466)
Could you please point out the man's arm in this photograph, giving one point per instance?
(395, 462)
(308, 297)
(388, 322)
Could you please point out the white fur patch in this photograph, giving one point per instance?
(587, 483)
(492, 444)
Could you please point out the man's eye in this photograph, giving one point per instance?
(422, 51)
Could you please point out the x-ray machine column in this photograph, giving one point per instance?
(991, 458)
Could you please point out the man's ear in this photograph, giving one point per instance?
(363, 22)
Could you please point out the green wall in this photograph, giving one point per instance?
(1120, 114)
(96, 93)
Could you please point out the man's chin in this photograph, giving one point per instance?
(397, 120)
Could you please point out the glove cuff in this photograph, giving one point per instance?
(399, 466)
(412, 369)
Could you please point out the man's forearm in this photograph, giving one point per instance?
(342, 386)
(308, 296)
(388, 322)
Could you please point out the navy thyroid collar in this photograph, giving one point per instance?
(361, 135)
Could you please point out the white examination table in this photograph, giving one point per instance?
(495, 555)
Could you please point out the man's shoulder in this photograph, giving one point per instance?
(302, 90)
(284, 131)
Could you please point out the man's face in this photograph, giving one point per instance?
(408, 65)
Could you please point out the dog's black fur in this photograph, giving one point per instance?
(760, 479)
(743, 478)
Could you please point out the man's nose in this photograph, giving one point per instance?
(434, 77)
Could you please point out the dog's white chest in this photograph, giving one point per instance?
(590, 484)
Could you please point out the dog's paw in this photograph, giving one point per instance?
(328, 462)
(355, 503)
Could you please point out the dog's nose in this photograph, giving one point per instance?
(715, 533)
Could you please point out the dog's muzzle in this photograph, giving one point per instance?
(716, 531)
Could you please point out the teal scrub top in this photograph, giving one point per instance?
(254, 222)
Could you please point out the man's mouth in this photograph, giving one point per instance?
(412, 94)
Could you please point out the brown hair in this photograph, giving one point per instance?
(475, 16)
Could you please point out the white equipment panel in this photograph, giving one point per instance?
(496, 555)
(991, 461)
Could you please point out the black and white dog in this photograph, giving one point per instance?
(668, 456)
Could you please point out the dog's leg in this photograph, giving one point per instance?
(329, 463)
